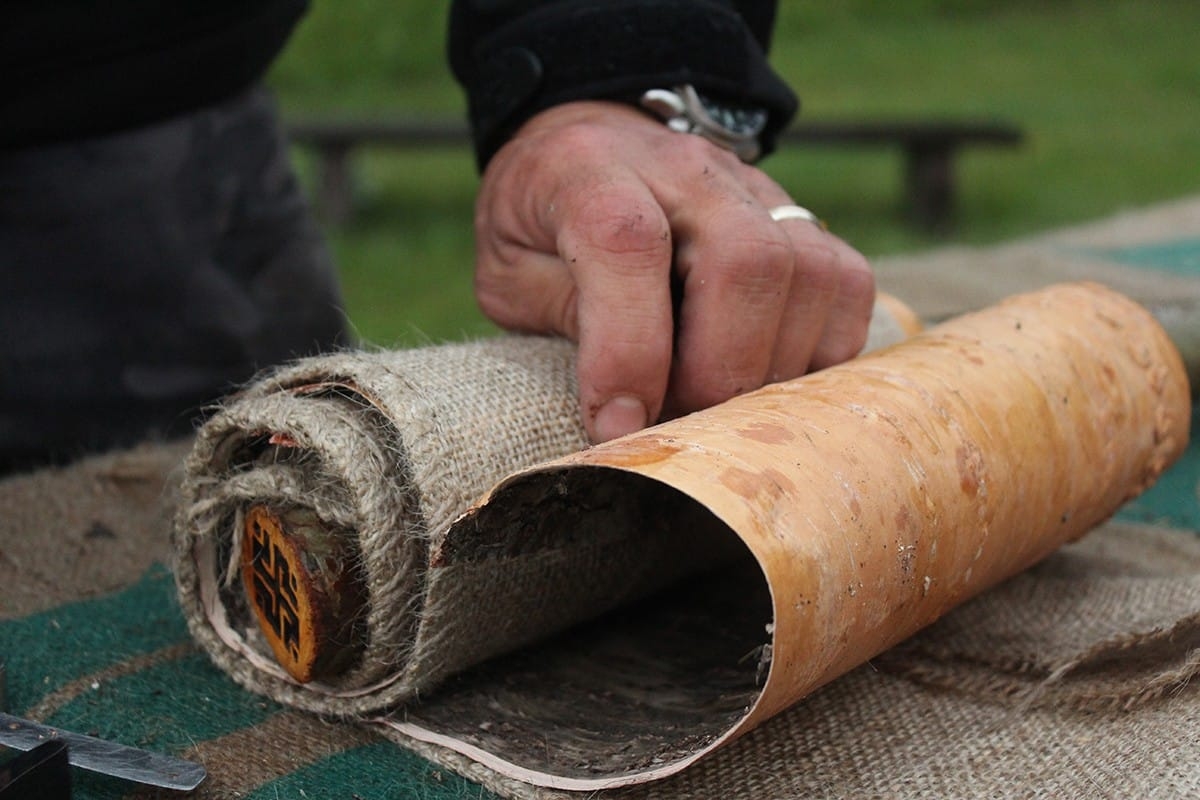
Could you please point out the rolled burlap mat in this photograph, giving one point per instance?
(820, 521)
(366, 458)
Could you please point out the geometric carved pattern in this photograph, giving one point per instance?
(275, 586)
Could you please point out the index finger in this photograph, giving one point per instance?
(616, 242)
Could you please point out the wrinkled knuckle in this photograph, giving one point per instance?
(776, 258)
(760, 266)
(625, 227)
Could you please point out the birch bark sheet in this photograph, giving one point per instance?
(612, 616)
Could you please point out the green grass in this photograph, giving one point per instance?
(1108, 92)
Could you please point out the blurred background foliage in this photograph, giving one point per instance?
(1107, 91)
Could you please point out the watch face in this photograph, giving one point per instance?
(739, 120)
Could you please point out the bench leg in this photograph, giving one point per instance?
(930, 186)
(335, 191)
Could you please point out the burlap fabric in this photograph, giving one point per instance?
(391, 446)
(1071, 680)
(1068, 681)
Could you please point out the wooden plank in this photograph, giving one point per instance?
(929, 148)
(425, 131)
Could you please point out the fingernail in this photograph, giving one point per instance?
(621, 415)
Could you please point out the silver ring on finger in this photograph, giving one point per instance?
(781, 213)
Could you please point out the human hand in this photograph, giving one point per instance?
(590, 213)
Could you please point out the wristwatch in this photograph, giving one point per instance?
(732, 127)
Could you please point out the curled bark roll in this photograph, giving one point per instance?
(873, 496)
(855, 506)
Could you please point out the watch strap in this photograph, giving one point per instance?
(557, 52)
(683, 109)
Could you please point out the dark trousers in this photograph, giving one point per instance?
(145, 274)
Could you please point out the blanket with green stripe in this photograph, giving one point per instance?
(983, 704)
(122, 667)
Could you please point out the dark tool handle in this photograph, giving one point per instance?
(43, 772)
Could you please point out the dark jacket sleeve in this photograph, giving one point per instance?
(76, 70)
(515, 58)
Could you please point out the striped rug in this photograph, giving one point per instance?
(93, 639)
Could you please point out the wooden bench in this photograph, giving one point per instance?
(929, 149)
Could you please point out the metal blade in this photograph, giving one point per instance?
(107, 758)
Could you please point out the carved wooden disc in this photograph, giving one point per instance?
(301, 584)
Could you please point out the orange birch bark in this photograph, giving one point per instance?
(879, 494)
